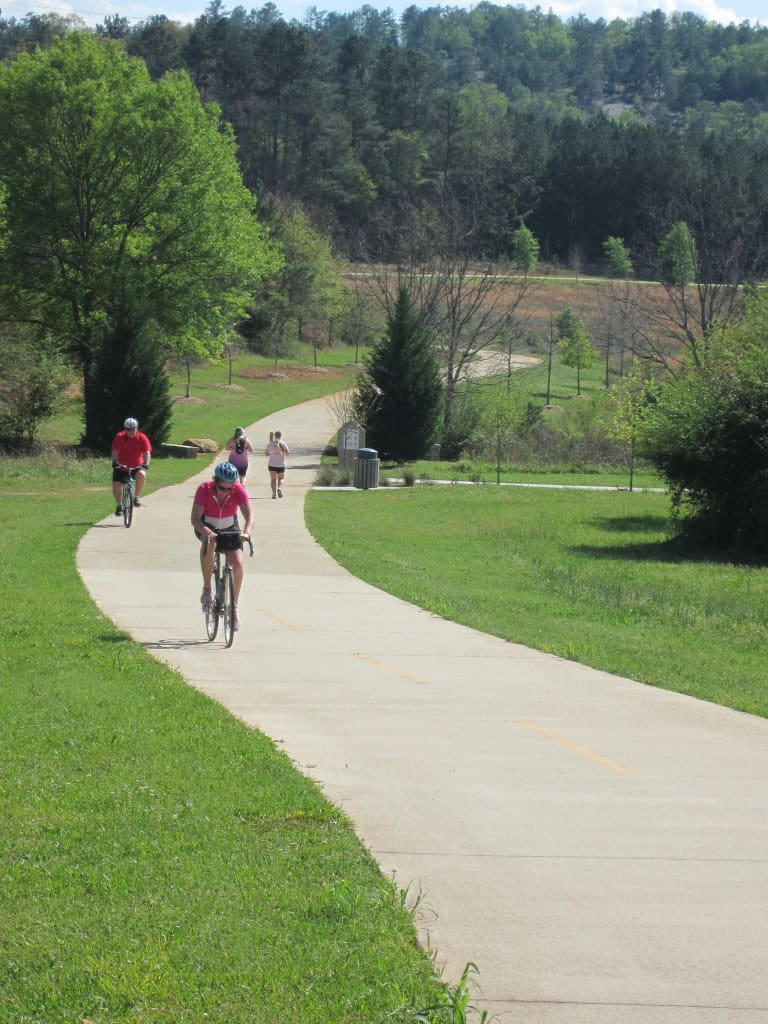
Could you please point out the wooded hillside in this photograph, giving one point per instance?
(479, 120)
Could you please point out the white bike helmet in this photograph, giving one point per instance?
(131, 424)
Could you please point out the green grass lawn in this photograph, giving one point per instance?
(160, 862)
(215, 408)
(590, 576)
(476, 471)
(141, 883)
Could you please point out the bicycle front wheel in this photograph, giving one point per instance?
(127, 505)
(212, 613)
(229, 606)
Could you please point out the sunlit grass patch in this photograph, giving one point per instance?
(592, 576)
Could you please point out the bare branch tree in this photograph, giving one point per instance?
(469, 305)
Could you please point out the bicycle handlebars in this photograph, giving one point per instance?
(238, 532)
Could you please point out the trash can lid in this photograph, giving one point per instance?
(367, 453)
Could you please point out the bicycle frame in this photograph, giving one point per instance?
(222, 604)
(127, 495)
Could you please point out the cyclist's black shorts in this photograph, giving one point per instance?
(119, 476)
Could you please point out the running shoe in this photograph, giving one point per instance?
(235, 620)
(118, 510)
(136, 502)
(279, 493)
(205, 598)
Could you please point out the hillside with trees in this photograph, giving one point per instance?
(491, 117)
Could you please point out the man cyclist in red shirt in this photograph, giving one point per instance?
(131, 450)
(214, 509)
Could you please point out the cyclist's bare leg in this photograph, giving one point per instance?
(236, 558)
(140, 478)
(117, 492)
(206, 562)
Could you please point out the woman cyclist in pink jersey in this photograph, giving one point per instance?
(214, 509)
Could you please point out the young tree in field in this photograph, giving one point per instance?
(611, 324)
(619, 258)
(633, 397)
(362, 321)
(575, 347)
(402, 372)
(125, 207)
(500, 423)
(702, 271)
(230, 352)
(525, 250)
(677, 259)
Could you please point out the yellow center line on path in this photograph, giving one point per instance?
(391, 671)
(278, 620)
(585, 751)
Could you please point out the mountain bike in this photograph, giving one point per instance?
(128, 495)
(222, 604)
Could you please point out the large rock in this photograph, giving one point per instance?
(179, 451)
(203, 444)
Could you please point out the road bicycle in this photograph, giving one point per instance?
(222, 606)
(128, 495)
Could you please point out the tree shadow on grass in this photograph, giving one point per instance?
(631, 524)
(678, 547)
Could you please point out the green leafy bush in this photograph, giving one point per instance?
(708, 437)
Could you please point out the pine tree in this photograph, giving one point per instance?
(130, 380)
(404, 373)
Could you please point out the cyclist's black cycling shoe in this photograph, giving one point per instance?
(119, 510)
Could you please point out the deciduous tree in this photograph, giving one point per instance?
(125, 205)
(575, 347)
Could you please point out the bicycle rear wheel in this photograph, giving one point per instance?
(127, 505)
(229, 606)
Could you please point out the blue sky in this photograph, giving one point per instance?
(186, 11)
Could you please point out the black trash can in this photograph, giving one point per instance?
(366, 469)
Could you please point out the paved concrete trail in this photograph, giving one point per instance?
(596, 847)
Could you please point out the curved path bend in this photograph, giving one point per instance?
(598, 848)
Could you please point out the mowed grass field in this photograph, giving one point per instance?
(591, 576)
(160, 862)
(142, 882)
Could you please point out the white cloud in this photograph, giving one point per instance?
(627, 9)
(93, 11)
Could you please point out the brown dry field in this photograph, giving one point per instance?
(548, 296)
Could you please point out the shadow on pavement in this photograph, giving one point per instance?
(175, 645)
